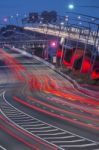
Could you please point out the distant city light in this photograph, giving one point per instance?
(25, 15)
(40, 22)
(5, 19)
(62, 23)
(71, 6)
(17, 14)
(80, 23)
(66, 19)
(12, 17)
(93, 19)
(79, 17)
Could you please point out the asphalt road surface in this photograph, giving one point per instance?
(42, 110)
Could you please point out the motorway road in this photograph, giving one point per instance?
(42, 110)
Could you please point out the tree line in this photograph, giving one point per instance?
(44, 17)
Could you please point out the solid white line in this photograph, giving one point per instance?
(23, 128)
(31, 124)
(63, 137)
(25, 120)
(46, 123)
(15, 115)
(73, 141)
(27, 123)
(19, 117)
(19, 114)
(37, 125)
(11, 110)
(84, 145)
(2, 148)
(46, 131)
(9, 113)
(21, 122)
(39, 128)
(52, 134)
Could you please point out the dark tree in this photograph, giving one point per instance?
(68, 55)
(49, 17)
(53, 15)
(33, 17)
(25, 20)
(78, 63)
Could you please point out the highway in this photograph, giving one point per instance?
(40, 109)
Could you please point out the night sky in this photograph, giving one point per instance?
(11, 7)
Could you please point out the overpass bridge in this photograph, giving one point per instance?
(84, 36)
(72, 27)
(25, 43)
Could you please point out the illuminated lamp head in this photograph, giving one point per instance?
(5, 19)
(53, 44)
(71, 6)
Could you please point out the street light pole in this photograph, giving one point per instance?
(85, 48)
(94, 56)
(77, 43)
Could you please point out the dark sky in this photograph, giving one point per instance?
(10, 7)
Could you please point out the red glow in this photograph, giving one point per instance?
(13, 64)
(86, 65)
(95, 75)
(28, 135)
(73, 58)
(61, 110)
(59, 53)
(49, 85)
(53, 114)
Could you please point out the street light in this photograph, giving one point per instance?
(71, 6)
(5, 19)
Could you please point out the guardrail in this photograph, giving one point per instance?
(31, 43)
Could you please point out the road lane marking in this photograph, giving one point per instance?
(46, 131)
(46, 124)
(72, 141)
(2, 148)
(52, 133)
(84, 145)
(38, 128)
(33, 125)
(63, 137)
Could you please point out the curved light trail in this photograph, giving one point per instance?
(41, 89)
